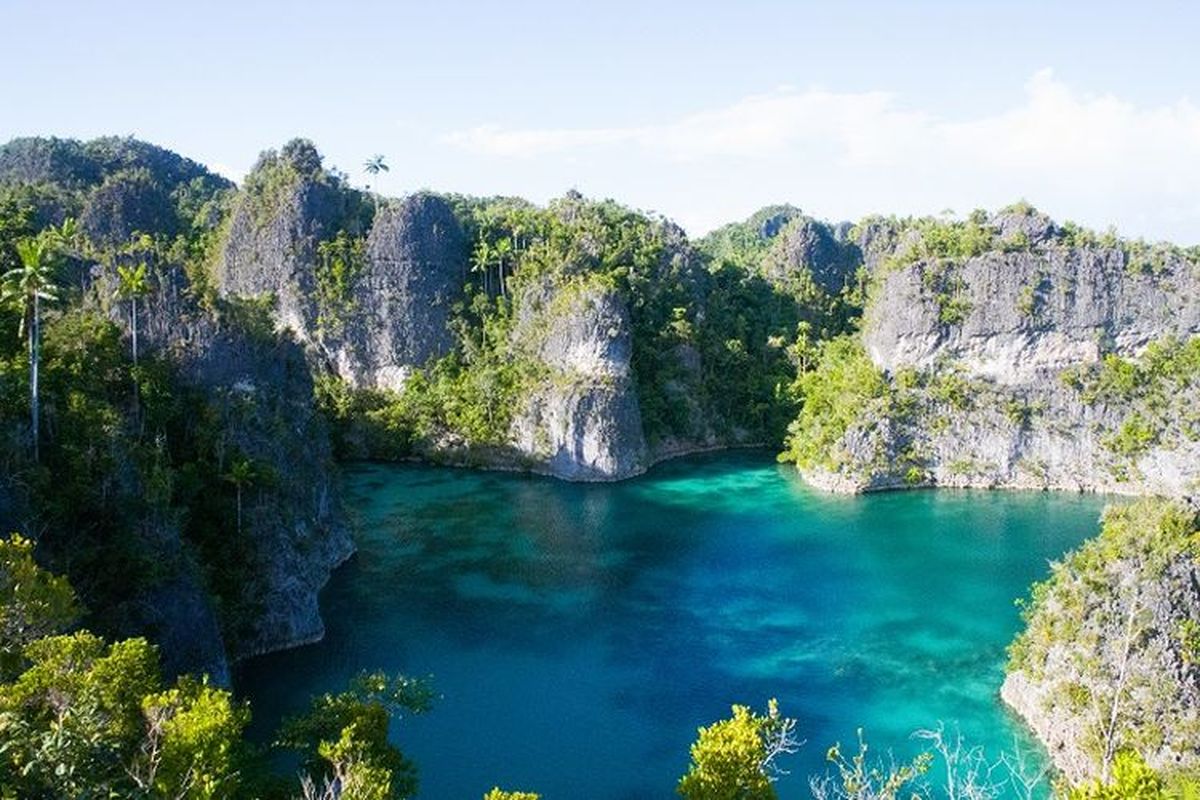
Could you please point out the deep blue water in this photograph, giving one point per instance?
(579, 634)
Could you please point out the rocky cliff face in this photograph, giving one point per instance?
(581, 421)
(1001, 369)
(368, 289)
(379, 305)
(398, 314)
(256, 390)
(812, 248)
(1110, 657)
(1029, 313)
(271, 247)
(261, 393)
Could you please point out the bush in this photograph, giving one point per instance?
(734, 759)
(835, 396)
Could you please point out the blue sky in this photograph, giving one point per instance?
(702, 111)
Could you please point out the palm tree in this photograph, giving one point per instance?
(375, 165)
(133, 283)
(241, 473)
(26, 287)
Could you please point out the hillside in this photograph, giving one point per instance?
(1012, 351)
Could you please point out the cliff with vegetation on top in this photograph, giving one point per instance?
(582, 340)
(1011, 351)
(188, 490)
(1109, 661)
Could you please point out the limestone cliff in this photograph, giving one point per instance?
(1040, 362)
(398, 311)
(1110, 659)
(580, 420)
(256, 392)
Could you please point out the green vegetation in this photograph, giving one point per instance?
(1101, 596)
(82, 717)
(375, 166)
(140, 478)
(499, 794)
(1157, 391)
(857, 777)
(734, 759)
(34, 603)
(1132, 780)
(839, 393)
(712, 339)
(931, 239)
(25, 288)
(340, 261)
(344, 738)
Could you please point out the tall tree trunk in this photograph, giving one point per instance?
(135, 349)
(239, 509)
(34, 355)
(136, 388)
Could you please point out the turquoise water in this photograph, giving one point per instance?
(578, 634)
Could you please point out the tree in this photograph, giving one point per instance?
(73, 718)
(242, 472)
(1132, 779)
(858, 779)
(344, 739)
(734, 759)
(133, 284)
(82, 718)
(375, 165)
(191, 744)
(90, 719)
(25, 288)
(34, 603)
(499, 794)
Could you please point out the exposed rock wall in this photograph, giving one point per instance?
(271, 248)
(400, 308)
(582, 420)
(979, 354)
(1029, 312)
(1111, 657)
(258, 390)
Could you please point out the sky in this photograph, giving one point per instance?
(701, 111)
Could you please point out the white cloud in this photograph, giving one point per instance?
(1098, 158)
(759, 126)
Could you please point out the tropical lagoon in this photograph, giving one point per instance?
(578, 634)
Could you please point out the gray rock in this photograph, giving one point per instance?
(401, 306)
(272, 249)
(805, 245)
(582, 421)
(1023, 318)
(259, 389)
(1157, 681)
(1030, 312)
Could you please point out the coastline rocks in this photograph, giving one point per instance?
(989, 361)
(257, 390)
(1109, 659)
(581, 421)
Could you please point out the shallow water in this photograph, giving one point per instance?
(578, 634)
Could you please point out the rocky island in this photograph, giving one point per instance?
(295, 321)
